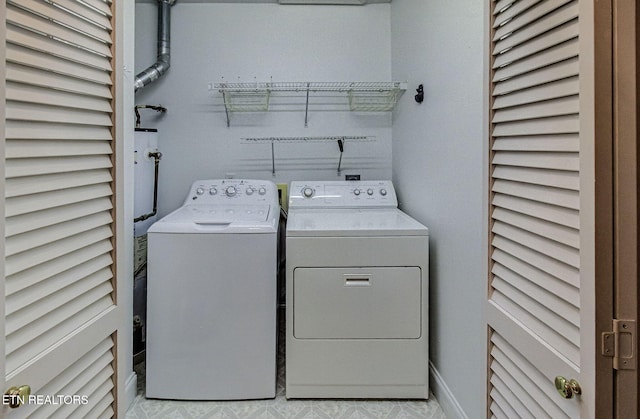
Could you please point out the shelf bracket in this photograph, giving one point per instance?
(226, 108)
(273, 158)
(306, 108)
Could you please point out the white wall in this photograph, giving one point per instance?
(438, 156)
(262, 42)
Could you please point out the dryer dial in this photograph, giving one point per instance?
(307, 192)
(230, 191)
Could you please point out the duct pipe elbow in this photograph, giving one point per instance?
(151, 74)
(156, 70)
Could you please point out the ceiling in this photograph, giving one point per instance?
(283, 2)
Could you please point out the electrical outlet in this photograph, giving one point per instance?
(283, 195)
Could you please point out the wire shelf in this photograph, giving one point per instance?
(359, 96)
(340, 139)
(308, 139)
(311, 86)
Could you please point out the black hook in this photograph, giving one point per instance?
(420, 96)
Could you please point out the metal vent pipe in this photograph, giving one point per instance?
(157, 69)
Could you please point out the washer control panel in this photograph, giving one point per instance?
(236, 191)
(342, 194)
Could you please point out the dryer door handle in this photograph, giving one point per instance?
(357, 280)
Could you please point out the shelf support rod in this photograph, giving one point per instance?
(273, 158)
(226, 109)
(306, 109)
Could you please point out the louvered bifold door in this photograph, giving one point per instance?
(534, 280)
(59, 289)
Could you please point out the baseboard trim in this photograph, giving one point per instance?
(130, 389)
(445, 397)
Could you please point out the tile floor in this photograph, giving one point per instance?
(280, 407)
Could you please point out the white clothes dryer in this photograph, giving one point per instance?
(357, 293)
(212, 279)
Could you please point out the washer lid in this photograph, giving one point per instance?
(219, 219)
(352, 222)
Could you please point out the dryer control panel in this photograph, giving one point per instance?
(342, 194)
(232, 191)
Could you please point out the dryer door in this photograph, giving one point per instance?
(357, 303)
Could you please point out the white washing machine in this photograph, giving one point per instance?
(211, 294)
(357, 293)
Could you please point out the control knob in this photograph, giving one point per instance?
(249, 191)
(231, 190)
(356, 192)
(200, 191)
(262, 191)
(213, 191)
(369, 191)
(307, 192)
(383, 192)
